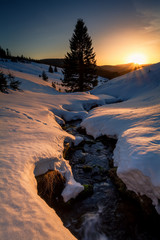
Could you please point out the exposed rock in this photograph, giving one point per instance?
(87, 192)
(81, 130)
(87, 168)
(144, 202)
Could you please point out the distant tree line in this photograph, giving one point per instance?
(58, 62)
(107, 74)
(100, 70)
(3, 53)
(6, 54)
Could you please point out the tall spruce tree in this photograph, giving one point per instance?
(80, 64)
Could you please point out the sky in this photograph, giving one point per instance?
(118, 28)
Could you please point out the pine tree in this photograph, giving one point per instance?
(44, 76)
(80, 64)
(3, 83)
(50, 69)
(55, 69)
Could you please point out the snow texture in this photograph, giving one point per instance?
(135, 122)
(31, 144)
(32, 141)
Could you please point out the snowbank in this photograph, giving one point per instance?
(136, 124)
(31, 143)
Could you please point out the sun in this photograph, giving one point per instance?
(137, 58)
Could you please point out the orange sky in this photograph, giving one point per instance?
(118, 28)
(119, 46)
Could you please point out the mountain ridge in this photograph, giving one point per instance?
(106, 71)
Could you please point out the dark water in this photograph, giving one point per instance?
(103, 214)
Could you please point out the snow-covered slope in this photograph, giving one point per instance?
(33, 71)
(32, 143)
(136, 123)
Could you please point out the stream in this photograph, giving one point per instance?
(103, 213)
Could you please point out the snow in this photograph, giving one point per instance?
(78, 140)
(32, 142)
(135, 122)
(102, 80)
(33, 71)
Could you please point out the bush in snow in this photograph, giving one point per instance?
(53, 85)
(14, 84)
(44, 76)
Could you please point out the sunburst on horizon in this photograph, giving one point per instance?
(137, 58)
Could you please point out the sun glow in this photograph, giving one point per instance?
(137, 58)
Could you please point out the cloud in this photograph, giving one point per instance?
(150, 10)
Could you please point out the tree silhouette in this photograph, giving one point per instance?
(3, 83)
(14, 84)
(55, 69)
(44, 76)
(2, 53)
(8, 82)
(80, 64)
(50, 69)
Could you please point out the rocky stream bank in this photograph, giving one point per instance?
(105, 209)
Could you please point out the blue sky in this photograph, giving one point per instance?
(42, 29)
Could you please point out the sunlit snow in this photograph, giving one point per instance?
(32, 141)
(136, 123)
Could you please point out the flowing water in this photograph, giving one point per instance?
(104, 213)
(91, 226)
